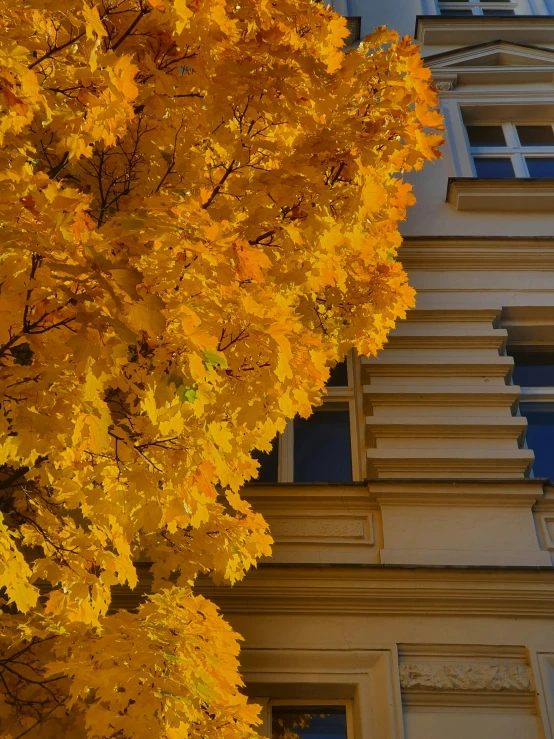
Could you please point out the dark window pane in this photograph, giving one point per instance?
(540, 166)
(308, 722)
(486, 135)
(498, 12)
(322, 445)
(540, 438)
(533, 369)
(455, 13)
(535, 135)
(269, 463)
(493, 167)
(354, 27)
(339, 375)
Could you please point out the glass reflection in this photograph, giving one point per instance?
(322, 451)
(308, 722)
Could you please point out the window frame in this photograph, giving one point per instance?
(513, 149)
(348, 703)
(351, 394)
(476, 6)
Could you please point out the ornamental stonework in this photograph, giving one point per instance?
(465, 677)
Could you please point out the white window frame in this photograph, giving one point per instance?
(350, 394)
(513, 149)
(298, 702)
(476, 6)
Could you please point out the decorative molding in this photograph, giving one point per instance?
(445, 86)
(314, 529)
(547, 525)
(519, 195)
(475, 255)
(429, 462)
(368, 677)
(500, 396)
(401, 591)
(461, 677)
(462, 31)
(472, 427)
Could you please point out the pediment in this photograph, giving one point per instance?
(492, 55)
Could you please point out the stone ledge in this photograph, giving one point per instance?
(524, 195)
(465, 31)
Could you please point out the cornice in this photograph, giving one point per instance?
(424, 462)
(420, 365)
(439, 30)
(523, 195)
(458, 395)
(274, 589)
(477, 427)
(476, 254)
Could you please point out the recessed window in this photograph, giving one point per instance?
(319, 448)
(322, 448)
(309, 722)
(461, 8)
(534, 373)
(354, 25)
(507, 150)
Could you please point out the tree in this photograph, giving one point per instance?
(198, 217)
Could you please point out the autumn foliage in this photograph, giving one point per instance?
(198, 215)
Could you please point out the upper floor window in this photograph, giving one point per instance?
(457, 8)
(319, 448)
(354, 25)
(534, 373)
(508, 150)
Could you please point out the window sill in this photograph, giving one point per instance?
(520, 195)
(434, 30)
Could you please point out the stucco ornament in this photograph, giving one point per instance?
(459, 676)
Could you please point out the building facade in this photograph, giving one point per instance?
(411, 591)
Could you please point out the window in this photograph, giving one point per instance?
(319, 448)
(534, 372)
(354, 25)
(460, 8)
(508, 150)
(310, 721)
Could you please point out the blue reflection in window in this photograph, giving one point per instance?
(541, 167)
(498, 167)
(322, 451)
(540, 437)
(533, 369)
(309, 722)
